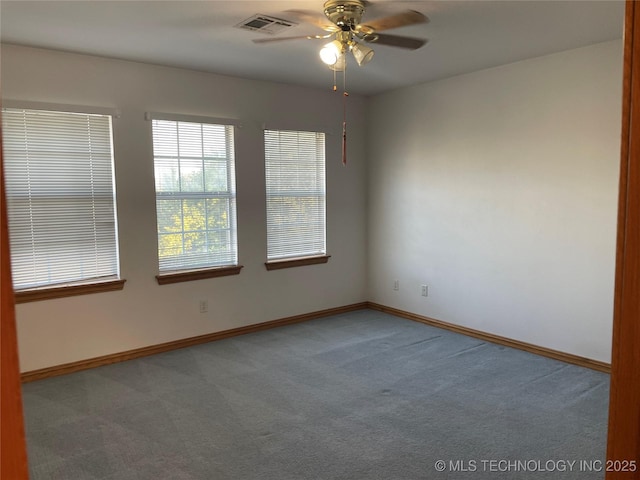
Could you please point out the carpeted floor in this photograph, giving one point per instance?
(362, 395)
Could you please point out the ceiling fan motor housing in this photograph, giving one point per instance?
(346, 14)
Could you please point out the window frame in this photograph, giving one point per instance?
(190, 273)
(89, 285)
(307, 258)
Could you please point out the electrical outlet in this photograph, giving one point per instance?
(204, 306)
(425, 290)
(396, 285)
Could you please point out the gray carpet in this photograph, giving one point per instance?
(362, 395)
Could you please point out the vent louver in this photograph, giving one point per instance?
(265, 24)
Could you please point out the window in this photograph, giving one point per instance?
(195, 196)
(61, 200)
(295, 177)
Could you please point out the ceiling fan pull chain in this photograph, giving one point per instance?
(345, 94)
(344, 143)
(344, 77)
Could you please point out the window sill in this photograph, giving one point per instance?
(190, 275)
(49, 293)
(296, 262)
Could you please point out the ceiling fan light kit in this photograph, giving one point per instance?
(333, 54)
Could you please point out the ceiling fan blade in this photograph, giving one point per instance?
(408, 17)
(410, 43)
(313, 19)
(299, 37)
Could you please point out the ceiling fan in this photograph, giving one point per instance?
(350, 34)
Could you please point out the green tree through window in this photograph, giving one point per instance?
(195, 195)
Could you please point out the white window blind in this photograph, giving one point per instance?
(295, 177)
(195, 195)
(60, 196)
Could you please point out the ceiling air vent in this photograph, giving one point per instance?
(265, 24)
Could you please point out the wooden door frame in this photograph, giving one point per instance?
(623, 443)
(13, 455)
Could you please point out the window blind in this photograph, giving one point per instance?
(60, 197)
(195, 195)
(295, 182)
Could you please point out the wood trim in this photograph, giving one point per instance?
(13, 455)
(210, 337)
(296, 262)
(186, 342)
(48, 293)
(623, 441)
(489, 337)
(190, 275)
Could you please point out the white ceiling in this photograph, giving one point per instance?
(463, 36)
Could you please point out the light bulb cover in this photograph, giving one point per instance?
(362, 53)
(330, 54)
(340, 65)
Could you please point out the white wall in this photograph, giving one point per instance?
(498, 189)
(144, 313)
